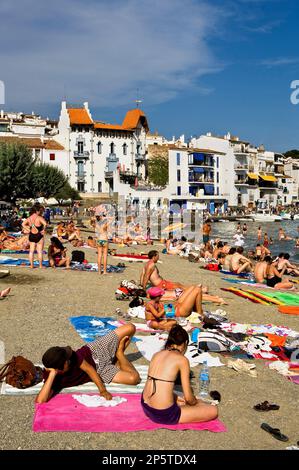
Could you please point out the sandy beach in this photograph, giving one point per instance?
(35, 317)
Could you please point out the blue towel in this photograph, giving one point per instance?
(90, 327)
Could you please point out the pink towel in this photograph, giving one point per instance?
(294, 379)
(64, 413)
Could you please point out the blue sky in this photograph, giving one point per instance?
(198, 65)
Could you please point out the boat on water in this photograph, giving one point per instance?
(287, 216)
(264, 215)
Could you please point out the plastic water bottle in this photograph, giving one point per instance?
(204, 380)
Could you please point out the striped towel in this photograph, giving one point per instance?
(89, 387)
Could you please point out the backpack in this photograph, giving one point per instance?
(19, 372)
(78, 256)
(213, 341)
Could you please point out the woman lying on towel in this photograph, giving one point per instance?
(156, 311)
(158, 400)
(102, 361)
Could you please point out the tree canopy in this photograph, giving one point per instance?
(158, 173)
(22, 176)
(292, 153)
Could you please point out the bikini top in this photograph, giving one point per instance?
(154, 379)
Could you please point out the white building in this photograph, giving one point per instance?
(96, 151)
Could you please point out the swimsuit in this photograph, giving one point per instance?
(166, 285)
(271, 282)
(102, 243)
(36, 237)
(169, 415)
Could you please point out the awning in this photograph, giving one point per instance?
(252, 176)
(268, 178)
(199, 156)
(209, 189)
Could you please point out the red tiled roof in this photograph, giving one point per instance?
(102, 125)
(33, 143)
(79, 116)
(133, 117)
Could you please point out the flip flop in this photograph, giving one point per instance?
(266, 406)
(275, 432)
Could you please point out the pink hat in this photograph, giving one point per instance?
(155, 292)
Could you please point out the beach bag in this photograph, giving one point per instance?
(78, 256)
(212, 267)
(19, 372)
(212, 341)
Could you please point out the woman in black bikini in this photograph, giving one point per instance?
(158, 400)
(274, 277)
(35, 225)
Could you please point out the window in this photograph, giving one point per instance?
(80, 147)
(179, 190)
(178, 175)
(217, 191)
(81, 186)
(125, 149)
(138, 149)
(217, 162)
(99, 187)
(111, 148)
(80, 168)
(217, 177)
(178, 159)
(99, 147)
(52, 156)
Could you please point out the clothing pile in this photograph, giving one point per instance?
(129, 289)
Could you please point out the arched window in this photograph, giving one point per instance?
(125, 148)
(112, 146)
(99, 147)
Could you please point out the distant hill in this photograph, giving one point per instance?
(292, 153)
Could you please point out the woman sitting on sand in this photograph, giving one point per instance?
(102, 361)
(159, 402)
(190, 300)
(57, 254)
(274, 277)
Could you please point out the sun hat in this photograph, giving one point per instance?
(56, 356)
(155, 292)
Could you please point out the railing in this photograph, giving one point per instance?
(206, 180)
(112, 157)
(84, 154)
(80, 174)
(241, 182)
(241, 167)
(138, 156)
(202, 164)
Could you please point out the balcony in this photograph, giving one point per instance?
(201, 165)
(112, 157)
(240, 167)
(241, 183)
(193, 179)
(84, 154)
(80, 175)
(263, 186)
(139, 157)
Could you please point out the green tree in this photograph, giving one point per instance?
(47, 180)
(16, 170)
(292, 153)
(158, 173)
(67, 192)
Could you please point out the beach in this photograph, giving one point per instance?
(36, 316)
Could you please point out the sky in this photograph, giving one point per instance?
(198, 66)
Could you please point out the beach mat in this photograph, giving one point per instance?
(128, 257)
(18, 252)
(245, 295)
(6, 261)
(90, 327)
(65, 414)
(286, 298)
(89, 387)
(231, 273)
(288, 309)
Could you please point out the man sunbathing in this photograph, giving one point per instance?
(102, 361)
(150, 276)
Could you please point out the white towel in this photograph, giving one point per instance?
(93, 401)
